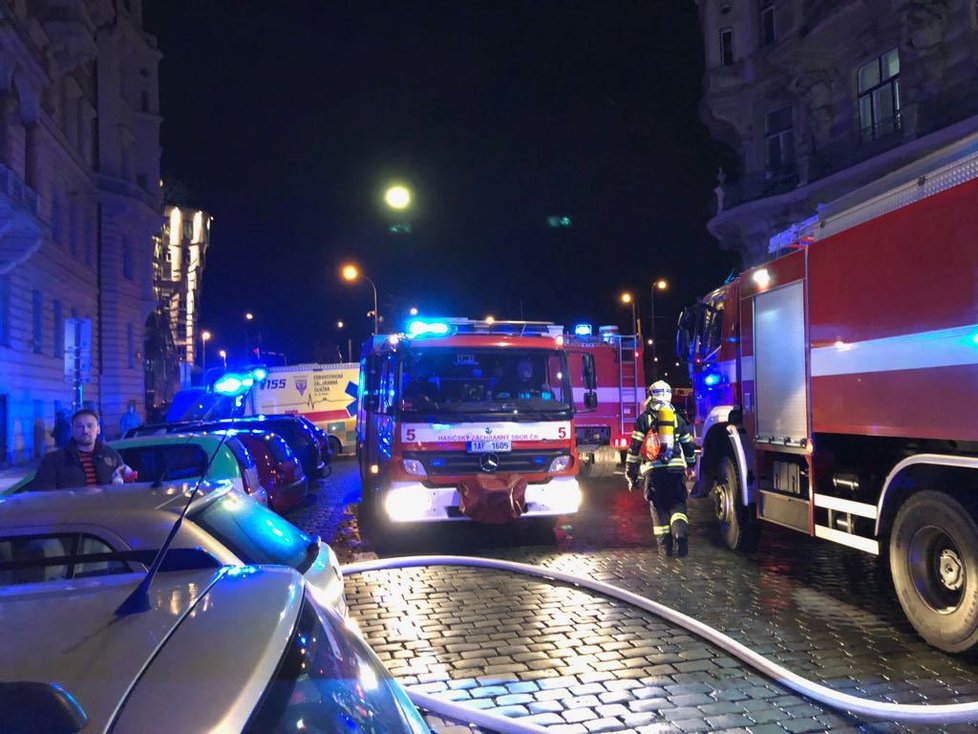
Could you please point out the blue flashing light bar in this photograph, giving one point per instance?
(229, 385)
(583, 330)
(418, 327)
(712, 379)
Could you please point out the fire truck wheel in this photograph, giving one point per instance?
(934, 565)
(738, 526)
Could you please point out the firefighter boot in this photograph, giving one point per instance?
(679, 526)
(665, 544)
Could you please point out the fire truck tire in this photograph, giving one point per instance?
(934, 565)
(739, 528)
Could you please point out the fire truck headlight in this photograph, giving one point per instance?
(414, 467)
(406, 504)
(561, 463)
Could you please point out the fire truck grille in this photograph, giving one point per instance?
(452, 462)
(593, 435)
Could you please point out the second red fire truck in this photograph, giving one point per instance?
(836, 387)
(466, 420)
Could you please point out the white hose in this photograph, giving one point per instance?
(951, 713)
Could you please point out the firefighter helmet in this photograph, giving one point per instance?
(660, 392)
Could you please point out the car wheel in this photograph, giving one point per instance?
(335, 447)
(934, 565)
(739, 528)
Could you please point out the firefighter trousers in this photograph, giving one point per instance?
(665, 491)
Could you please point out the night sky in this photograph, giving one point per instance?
(285, 120)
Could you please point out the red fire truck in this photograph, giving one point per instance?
(609, 366)
(466, 420)
(835, 385)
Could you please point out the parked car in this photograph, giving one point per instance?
(166, 458)
(229, 649)
(295, 432)
(278, 468)
(329, 446)
(230, 526)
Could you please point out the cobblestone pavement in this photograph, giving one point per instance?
(579, 662)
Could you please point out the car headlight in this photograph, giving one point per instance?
(561, 463)
(414, 467)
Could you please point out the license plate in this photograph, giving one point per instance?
(481, 447)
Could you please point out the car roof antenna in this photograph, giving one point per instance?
(138, 601)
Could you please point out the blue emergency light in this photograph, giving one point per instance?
(583, 330)
(427, 328)
(260, 373)
(711, 379)
(229, 385)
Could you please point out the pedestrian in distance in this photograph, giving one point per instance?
(61, 433)
(85, 461)
(661, 453)
(130, 419)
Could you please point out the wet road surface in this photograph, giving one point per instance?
(576, 661)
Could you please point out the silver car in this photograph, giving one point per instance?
(227, 524)
(224, 649)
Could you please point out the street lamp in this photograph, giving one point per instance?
(413, 311)
(398, 197)
(205, 336)
(627, 299)
(249, 316)
(657, 285)
(224, 356)
(351, 274)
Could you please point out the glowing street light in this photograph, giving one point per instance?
(398, 197)
(224, 356)
(249, 316)
(657, 285)
(490, 319)
(413, 311)
(339, 324)
(628, 299)
(351, 274)
(205, 337)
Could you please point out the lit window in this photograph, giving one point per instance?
(879, 95)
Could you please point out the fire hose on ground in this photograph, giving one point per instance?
(955, 713)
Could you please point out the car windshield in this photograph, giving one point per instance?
(449, 380)
(254, 533)
(330, 683)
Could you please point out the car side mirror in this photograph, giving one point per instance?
(590, 400)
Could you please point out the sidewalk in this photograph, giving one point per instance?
(12, 474)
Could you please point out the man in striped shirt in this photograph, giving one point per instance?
(85, 461)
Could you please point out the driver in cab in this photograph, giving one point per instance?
(522, 385)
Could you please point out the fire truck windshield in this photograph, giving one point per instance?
(457, 380)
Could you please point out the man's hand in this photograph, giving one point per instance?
(690, 473)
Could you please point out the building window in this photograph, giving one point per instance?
(57, 225)
(768, 36)
(780, 133)
(879, 95)
(58, 324)
(73, 226)
(38, 313)
(726, 47)
(126, 259)
(4, 310)
(130, 352)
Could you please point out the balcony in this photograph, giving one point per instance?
(20, 229)
(18, 194)
(759, 186)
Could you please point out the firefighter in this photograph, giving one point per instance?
(661, 451)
